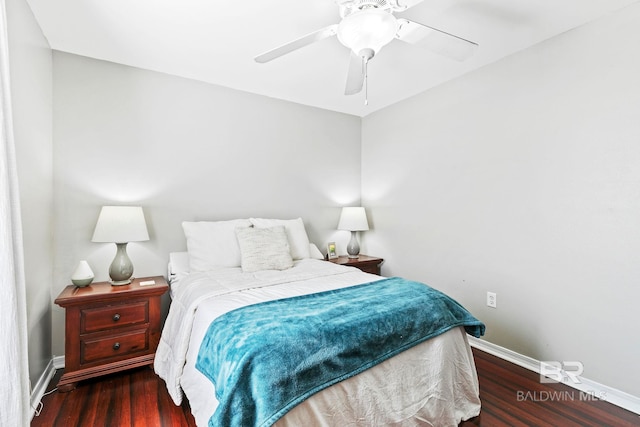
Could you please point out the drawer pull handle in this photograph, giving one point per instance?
(116, 317)
(116, 346)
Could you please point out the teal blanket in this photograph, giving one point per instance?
(266, 358)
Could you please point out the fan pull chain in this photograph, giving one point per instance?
(366, 82)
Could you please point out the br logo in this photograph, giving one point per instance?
(560, 372)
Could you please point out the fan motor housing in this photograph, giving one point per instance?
(350, 6)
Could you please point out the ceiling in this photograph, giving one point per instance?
(215, 42)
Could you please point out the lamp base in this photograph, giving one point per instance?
(121, 268)
(353, 248)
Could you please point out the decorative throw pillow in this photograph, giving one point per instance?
(296, 233)
(264, 249)
(213, 244)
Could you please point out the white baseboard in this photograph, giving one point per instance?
(58, 362)
(41, 386)
(608, 394)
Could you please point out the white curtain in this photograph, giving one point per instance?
(14, 386)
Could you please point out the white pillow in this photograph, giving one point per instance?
(264, 249)
(298, 240)
(213, 244)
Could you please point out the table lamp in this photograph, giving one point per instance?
(353, 219)
(121, 225)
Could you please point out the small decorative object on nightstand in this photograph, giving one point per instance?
(366, 263)
(109, 329)
(82, 275)
(353, 220)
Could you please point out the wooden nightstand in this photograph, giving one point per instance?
(109, 328)
(366, 263)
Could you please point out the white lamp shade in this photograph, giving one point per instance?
(120, 224)
(367, 29)
(353, 219)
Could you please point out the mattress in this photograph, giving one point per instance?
(433, 383)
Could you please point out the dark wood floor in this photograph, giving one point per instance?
(511, 396)
(137, 397)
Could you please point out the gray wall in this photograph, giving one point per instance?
(523, 179)
(186, 150)
(31, 69)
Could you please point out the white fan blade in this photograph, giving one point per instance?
(355, 77)
(297, 44)
(438, 41)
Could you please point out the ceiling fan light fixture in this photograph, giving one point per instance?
(367, 30)
(367, 26)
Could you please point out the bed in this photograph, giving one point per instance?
(433, 381)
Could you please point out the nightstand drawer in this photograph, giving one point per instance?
(115, 316)
(113, 346)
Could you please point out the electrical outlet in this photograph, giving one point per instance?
(492, 299)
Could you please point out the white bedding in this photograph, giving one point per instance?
(434, 383)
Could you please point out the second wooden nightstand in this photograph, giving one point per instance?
(366, 263)
(109, 328)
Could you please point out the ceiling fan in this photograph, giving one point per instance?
(369, 25)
